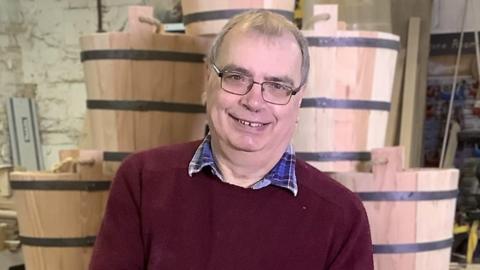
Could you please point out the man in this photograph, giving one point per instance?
(238, 199)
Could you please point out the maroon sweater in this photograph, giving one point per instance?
(159, 218)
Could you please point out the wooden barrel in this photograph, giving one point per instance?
(207, 17)
(59, 213)
(143, 88)
(373, 15)
(411, 212)
(345, 109)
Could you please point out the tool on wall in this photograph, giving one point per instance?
(24, 132)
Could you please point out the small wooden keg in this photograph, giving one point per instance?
(59, 213)
(411, 212)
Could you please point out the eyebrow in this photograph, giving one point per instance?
(239, 69)
(282, 79)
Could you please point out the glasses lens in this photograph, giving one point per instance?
(277, 93)
(236, 83)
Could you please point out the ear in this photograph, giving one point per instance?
(204, 97)
(207, 72)
(299, 96)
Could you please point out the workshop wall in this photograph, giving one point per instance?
(40, 58)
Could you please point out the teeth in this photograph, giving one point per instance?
(246, 123)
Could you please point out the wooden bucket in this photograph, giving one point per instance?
(345, 110)
(59, 213)
(205, 17)
(411, 212)
(143, 88)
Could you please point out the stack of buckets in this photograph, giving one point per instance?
(144, 89)
(342, 131)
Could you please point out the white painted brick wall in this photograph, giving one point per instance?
(10, 68)
(39, 58)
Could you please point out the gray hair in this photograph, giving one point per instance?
(266, 23)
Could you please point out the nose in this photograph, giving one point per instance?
(253, 100)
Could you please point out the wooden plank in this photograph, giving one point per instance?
(404, 9)
(409, 91)
(452, 146)
(393, 128)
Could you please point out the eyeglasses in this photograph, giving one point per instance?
(240, 84)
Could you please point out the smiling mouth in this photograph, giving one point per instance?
(248, 123)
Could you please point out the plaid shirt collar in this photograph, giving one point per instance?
(282, 175)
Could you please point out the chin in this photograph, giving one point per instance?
(248, 146)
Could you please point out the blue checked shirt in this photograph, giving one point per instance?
(282, 175)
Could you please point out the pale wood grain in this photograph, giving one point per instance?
(393, 128)
(403, 10)
(407, 134)
(213, 27)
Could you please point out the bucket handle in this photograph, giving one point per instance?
(323, 21)
(70, 164)
(154, 22)
(141, 20)
(323, 17)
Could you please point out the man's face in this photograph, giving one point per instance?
(248, 123)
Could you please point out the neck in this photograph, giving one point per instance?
(243, 168)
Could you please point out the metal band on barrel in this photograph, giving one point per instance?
(345, 104)
(225, 14)
(353, 42)
(61, 185)
(115, 156)
(334, 156)
(408, 195)
(124, 54)
(142, 105)
(87, 241)
(411, 248)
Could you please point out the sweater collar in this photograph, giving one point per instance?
(281, 175)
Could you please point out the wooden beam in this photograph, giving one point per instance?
(393, 128)
(451, 146)
(409, 92)
(403, 11)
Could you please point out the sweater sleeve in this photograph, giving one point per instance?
(355, 250)
(119, 244)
